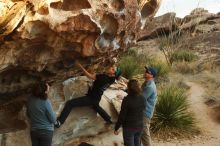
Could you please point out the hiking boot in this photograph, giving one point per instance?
(57, 124)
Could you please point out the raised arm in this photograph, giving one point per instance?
(89, 75)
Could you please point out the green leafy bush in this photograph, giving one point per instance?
(171, 112)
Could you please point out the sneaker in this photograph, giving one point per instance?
(57, 124)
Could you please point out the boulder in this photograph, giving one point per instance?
(41, 40)
(81, 123)
(197, 16)
(159, 26)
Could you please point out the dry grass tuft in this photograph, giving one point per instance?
(185, 67)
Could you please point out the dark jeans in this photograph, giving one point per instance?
(41, 137)
(80, 102)
(132, 137)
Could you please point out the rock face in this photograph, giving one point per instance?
(200, 31)
(159, 26)
(199, 21)
(41, 39)
(82, 121)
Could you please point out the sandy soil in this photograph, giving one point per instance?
(210, 130)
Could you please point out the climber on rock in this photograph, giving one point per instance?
(92, 98)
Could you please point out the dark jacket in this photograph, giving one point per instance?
(101, 83)
(132, 112)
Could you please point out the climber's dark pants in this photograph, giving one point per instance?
(80, 102)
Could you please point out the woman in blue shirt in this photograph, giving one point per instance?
(42, 116)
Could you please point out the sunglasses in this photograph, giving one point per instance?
(147, 71)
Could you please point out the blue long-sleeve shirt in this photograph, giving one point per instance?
(41, 114)
(149, 91)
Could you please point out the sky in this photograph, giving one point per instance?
(184, 7)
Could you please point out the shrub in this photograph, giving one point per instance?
(168, 44)
(162, 67)
(208, 64)
(131, 52)
(171, 112)
(182, 55)
(133, 63)
(185, 67)
(129, 66)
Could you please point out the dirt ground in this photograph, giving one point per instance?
(210, 129)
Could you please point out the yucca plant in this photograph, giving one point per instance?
(129, 66)
(171, 111)
(132, 63)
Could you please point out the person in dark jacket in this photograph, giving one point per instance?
(131, 115)
(42, 116)
(93, 97)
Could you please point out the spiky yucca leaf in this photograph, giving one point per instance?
(171, 111)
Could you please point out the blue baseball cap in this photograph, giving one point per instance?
(151, 70)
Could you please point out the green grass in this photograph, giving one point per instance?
(129, 66)
(171, 112)
(182, 55)
(162, 67)
(131, 52)
(133, 63)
